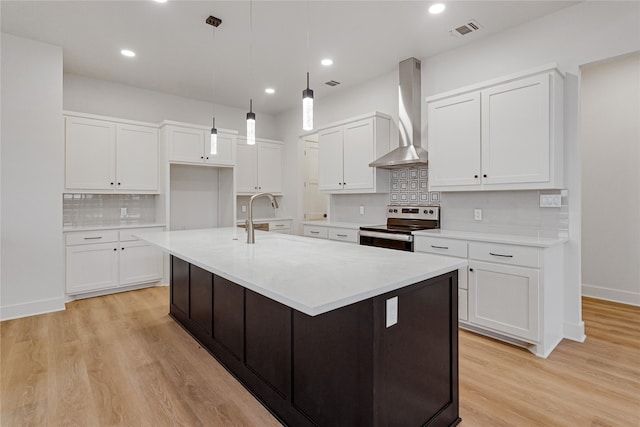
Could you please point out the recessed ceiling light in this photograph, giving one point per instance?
(160, 1)
(436, 8)
(127, 52)
(270, 90)
(326, 62)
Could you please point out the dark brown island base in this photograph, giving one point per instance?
(343, 368)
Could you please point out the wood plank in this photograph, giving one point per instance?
(121, 360)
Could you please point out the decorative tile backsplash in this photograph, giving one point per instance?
(106, 209)
(410, 186)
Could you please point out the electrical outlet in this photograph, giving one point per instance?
(477, 214)
(123, 211)
(244, 208)
(550, 200)
(361, 210)
(392, 311)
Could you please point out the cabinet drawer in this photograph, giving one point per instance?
(505, 254)
(311, 231)
(127, 235)
(440, 246)
(90, 237)
(343, 234)
(283, 226)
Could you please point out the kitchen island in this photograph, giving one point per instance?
(323, 333)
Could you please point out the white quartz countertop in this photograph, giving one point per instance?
(109, 227)
(511, 239)
(313, 276)
(337, 224)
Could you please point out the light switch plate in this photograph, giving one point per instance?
(123, 211)
(244, 208)
(392, 311)
(361, 210)
(477, 214)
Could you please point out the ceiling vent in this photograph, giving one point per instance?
(332, 83)
(470, 27)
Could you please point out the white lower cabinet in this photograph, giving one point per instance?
(92, 267)
(280, 226)
(119, 260)
(505, 298)
(341, 234)
(512, 292)
(139, 263)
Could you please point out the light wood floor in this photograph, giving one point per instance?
(120, 360)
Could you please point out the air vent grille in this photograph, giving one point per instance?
(469, 27)
(332, 83)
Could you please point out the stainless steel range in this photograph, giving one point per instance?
(401, 222)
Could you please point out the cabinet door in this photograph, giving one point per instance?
(223, 153)
(92, 267)
(516, 132)
(89, 154)
(330, 159)
(454, 141)
(358, 152)
(186, 145)
(139, 263)
(246, 168)
(269, 167)
(505, 298)
(136, 158)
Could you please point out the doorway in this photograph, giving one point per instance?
(314, 203)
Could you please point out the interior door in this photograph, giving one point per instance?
(314, 202)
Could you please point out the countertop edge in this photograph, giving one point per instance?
(110, 227)
(509, 239)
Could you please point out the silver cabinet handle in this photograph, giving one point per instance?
(314, 232)
(439, 247)
(500, 255)
(279, 225)
(341, 235)
(93, 238)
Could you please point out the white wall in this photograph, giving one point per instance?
(87, 95)
(610, 135)
(32, 169)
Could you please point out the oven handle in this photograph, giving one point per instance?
(387, 236)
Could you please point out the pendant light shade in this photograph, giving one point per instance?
(214, 138)
(251, 125)
(307, 107)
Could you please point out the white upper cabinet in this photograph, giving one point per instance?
(259, 167)
(192, 144)
(505, 134)
(108, 155)
(345, 150)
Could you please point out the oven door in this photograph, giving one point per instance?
(403, 242)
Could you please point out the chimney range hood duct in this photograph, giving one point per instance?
(409, 152)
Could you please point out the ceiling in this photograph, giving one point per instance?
(178, 53)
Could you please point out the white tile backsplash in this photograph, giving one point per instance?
(106, 209)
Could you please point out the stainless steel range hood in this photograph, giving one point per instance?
(409, 152)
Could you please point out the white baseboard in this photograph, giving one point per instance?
(574, 331)
(32, 308)
(615, 295)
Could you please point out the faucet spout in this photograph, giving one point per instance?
(249, 223)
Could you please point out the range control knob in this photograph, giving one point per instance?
(395, 211)
(430, 211)
(425, 212)
(391, 210)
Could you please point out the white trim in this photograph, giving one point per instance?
(574, 331)
(31, 308)
(615, 295)
(67, 113)
(117, 290)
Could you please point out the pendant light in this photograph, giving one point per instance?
(307, 94)
(251, 125)
(214, 138)
(251, 116)
(213, 150)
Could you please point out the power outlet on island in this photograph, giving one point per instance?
(392, 311)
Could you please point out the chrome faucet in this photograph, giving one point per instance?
(249, 222)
